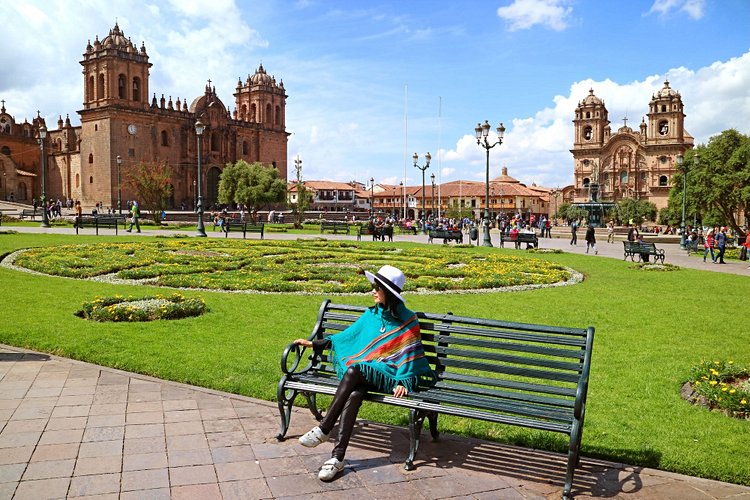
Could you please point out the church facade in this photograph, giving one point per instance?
(122, 127)
(635, 164)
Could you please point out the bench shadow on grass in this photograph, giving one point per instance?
(544, 470)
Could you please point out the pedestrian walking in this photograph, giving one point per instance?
(574, 233)
(591, 240)
(135, 215)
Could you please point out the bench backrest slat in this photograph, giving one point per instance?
(518, 360)
(508, 346)
(511, 384)
(539, 337)
(509, 370)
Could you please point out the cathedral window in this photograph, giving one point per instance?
(100, 87)
(623, 177)
(245, 148)
(663, 181)
(91, 157)
(164, 138)
(90, 89)
(278, 115)
(588, 114)
(5, 150)
(587, 133)
(269, 115)
(663, 108)
(253, 113)
(58, 144)
(91, 179)
(136, 89)
(215, 141)
(78, 180)
(121, 90)
(663, 127)
(586, 182)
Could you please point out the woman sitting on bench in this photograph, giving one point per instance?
(381, 351)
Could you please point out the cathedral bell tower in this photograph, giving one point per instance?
(591, 123)
(115, 72)
(666, 117)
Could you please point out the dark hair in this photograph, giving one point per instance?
(391, 301)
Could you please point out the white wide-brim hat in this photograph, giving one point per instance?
(390, 278)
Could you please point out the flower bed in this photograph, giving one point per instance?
(721, 386)
(311, 266)
(129, 309)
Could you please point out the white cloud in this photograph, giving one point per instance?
(693, 8)
(525, 14)
(536, 148)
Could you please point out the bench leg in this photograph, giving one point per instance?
(416, 421)
(573, 457)
(311, 403)
(286, 400)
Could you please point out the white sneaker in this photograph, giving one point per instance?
(313, 438)
(330, 468)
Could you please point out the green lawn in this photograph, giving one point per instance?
(652, 327)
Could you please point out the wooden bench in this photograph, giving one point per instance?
(247, 227)
(378, 233)
(402, 228)
(446, 235)
(336, 227)
(633, 249)
(518, 374)
(31, 213)
(97, 221)
(531, 240)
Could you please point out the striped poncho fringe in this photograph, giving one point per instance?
(387, 358)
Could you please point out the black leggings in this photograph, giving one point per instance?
(349, 396)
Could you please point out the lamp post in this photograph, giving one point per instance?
(482, 131)
(403, 196)
(45, 215)
(298, 170)
(119, 186)
(680, 163)
(5, 186)
(199, 128)
(426, 165)
(432, 178)
(372, 197)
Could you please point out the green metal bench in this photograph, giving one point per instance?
(531, 239)
(633, 249)
(336, 227)
(517, 374)
(246, 227)
(99, 221)
(445, 235)
(31, 213)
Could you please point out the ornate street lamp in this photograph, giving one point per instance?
(432, 178)
(119, 185)
(199, 128)
(298, 169)
(427, 159)
(45, 215)
(482, 132)
(372, 197)
(403, 196)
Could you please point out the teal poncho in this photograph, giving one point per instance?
(387, 349)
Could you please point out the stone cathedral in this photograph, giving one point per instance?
(639, 164)
(122, 119)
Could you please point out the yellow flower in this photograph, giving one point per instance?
(713, 382)
(724, 389)
(716, 363)
(743, 402)
(732, 391)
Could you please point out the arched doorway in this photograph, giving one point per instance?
(212, 186)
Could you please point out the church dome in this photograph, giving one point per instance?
(592, 99)
(116, 40)
(667, 91)
(261, 77)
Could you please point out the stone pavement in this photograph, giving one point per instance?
(73, 429)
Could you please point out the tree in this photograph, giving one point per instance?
(569, 212)
(153, 184)
(718, 184)
(253, 185)
(303, 202)
(635, 211)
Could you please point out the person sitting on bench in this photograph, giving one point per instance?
(381, 351)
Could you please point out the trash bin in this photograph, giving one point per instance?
(474, 234)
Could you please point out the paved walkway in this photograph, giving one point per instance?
(73, 429)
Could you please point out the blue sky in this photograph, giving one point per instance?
(353, 70)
